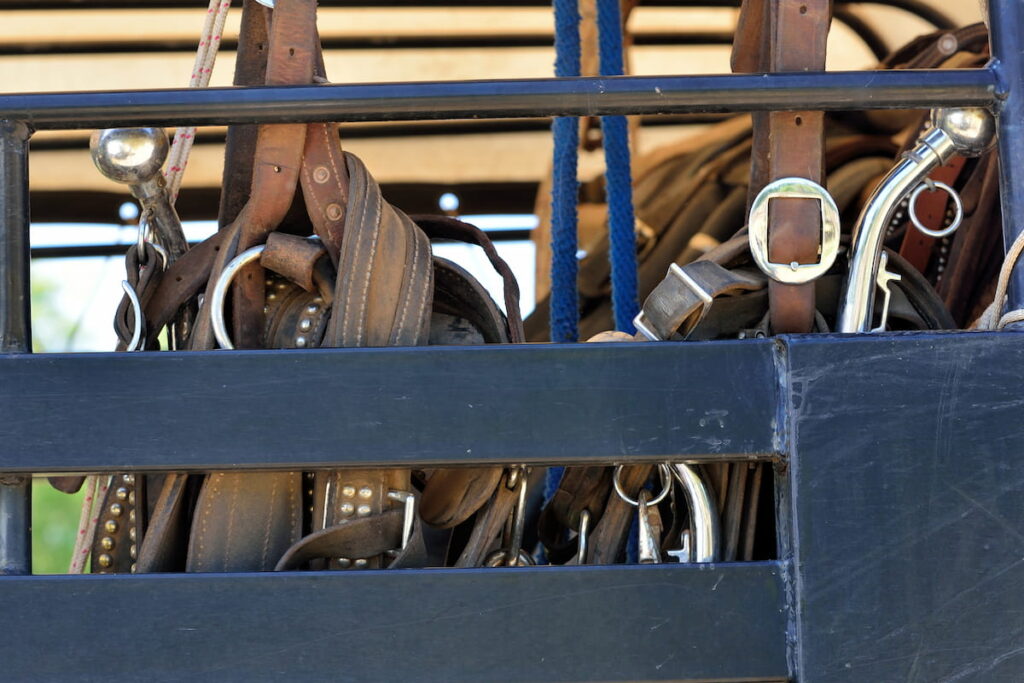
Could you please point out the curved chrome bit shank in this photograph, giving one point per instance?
(135, 157)
(704, 525)
(968, 132)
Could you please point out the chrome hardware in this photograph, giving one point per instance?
(582, 536)
(220, 290)
(931, 186)
(968, 132)
(409, 501)
(884, 278)
(138, 341)
(701, 542)
(793, 188)
(649, 524)
(666, 485)
(135, 157)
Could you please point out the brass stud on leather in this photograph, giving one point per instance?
(131, 516)
(300, 342)
(348, 491)
(110, 526)
(133, 567)
(344, 562)
(347, 509)
(128, 478)
(312, 308)
(105, 560)
(334, 212)
(132, 534)
(321, 174)
(360, 563)
(133, 551)
(131, 497)
(116, 509)
(121, 493)
(305, 324)
(363, 511)
(107, 543)
(366, 492)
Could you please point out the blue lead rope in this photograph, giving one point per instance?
(564, 184)
(618, 177)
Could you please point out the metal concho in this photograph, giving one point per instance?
(794, 188)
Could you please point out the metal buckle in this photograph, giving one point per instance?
(794, 188)
(640, 321)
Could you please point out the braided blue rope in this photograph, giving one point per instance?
(564, 197)
(618, 177)
(564, 184)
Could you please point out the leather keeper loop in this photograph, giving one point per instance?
(293, 257)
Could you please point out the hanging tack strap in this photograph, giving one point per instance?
(618, 176)
(564, 186)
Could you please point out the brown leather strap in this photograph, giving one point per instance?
(799, 30)
(383, 296)
(931, 211)
(609, 536)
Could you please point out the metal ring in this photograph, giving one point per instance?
(793, 273)
(666, 482)
(220, 290)
(140, 321)
(931, 186)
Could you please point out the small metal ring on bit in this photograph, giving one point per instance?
(220, 290)
(582, 537)
(666, 482)
(931, 186)
(140, 322)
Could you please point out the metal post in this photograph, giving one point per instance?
(1006, 23)
(15, 329)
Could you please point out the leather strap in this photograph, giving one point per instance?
(787, 35)
(799, 30)
(683, 297)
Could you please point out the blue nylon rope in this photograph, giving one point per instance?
(564, 184)
(564, 197)
(618, 177)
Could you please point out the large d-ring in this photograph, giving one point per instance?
(794, 188)
(220, 290)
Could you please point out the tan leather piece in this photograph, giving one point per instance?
(488, 525)
(293, 257)
(453, 495)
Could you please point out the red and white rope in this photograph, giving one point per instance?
(202, 70)
(96, 487)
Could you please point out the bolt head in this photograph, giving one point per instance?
(972, 129)
(129, 155)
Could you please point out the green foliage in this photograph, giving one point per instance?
(54, 525)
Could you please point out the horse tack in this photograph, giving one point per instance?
(369, 279)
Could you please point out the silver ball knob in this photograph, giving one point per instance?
(129, 155)
(972, 130)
